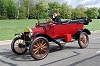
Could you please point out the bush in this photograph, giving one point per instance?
(3, 17)
(22, 16)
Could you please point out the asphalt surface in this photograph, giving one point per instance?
(71, 55)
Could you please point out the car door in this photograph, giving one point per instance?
(60, 30)
(73, 28)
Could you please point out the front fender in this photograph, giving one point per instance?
(18, 34)
(45, 35)
(87, 31)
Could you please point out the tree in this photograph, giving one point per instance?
(92, 12)
(28, 6)
(3, 9)
(65, 11)
(53, 6)
(42, 8)
(11, 9)
(80, 7)
(78, 14)
(99, 13)
(75, 14)
(79, 11)
(21, 9)
(33, 12)
(21, 12)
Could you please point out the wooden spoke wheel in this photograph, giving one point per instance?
(39, 48)
(18, 46)
(83, 40)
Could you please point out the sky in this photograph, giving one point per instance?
(74, 3)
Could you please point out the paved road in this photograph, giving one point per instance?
(71, 55)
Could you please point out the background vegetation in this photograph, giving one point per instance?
(11, 10)
(27, 9)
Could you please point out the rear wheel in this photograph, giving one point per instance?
(18, 46)
(83, 40)
(39, 48)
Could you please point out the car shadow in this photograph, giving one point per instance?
(27, 56)
(54, 48)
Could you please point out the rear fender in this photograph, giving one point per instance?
(77, 34)
(87, 31)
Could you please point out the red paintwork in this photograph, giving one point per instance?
(58, 30)
(38, 30)
(68, 38)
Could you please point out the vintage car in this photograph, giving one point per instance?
(37, 39)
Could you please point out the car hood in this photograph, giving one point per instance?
(38, 30)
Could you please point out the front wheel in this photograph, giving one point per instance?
(39, 48)
(83, 40)
(18, 46)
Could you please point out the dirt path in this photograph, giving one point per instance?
(6, 42)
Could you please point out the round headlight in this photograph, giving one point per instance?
(30, 34)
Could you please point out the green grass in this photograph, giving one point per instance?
(94, 25)
(9, 27)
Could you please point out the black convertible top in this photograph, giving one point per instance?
(78, 20)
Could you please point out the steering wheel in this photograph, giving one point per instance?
(49, 21)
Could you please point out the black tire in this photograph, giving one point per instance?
(39, 48)
(83, 40)
(15, 46)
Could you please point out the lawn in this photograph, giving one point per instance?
(9, 27)
(94, 25)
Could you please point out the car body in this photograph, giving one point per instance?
(38, 38)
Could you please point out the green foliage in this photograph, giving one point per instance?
(92, 12)
(65, 11)
(41, 6)
(22, 9)
(21, 12)
(27, 11)
(11, 9)
(99, 13)
(33, 13)
(53, 6)
(3, 11)
(79, 12)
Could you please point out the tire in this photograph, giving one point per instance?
(15, 46)
(39, 48)
(83, 40)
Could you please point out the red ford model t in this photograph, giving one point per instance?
(37, 39)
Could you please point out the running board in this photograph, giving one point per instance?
(56, 42)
